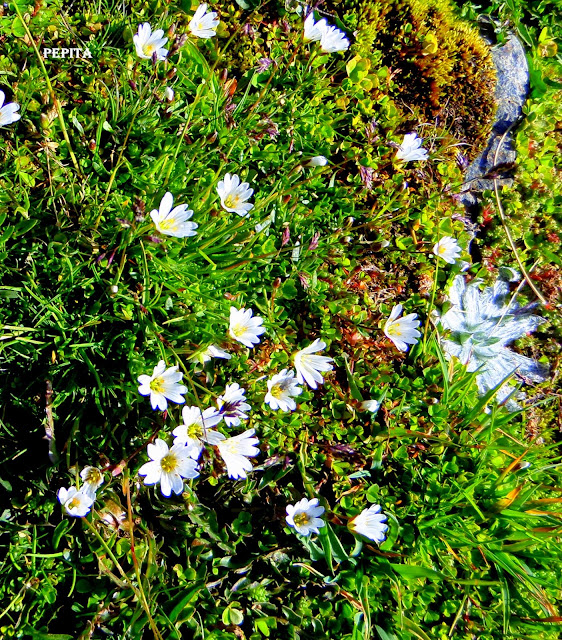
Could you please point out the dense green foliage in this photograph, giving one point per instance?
(92, 296)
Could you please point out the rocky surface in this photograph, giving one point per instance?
(511, 92)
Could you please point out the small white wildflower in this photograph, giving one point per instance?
(234, 195)
(244, 328)
(313, 30)
(169, 94)
(203, 24)
(93, 479)
(162, 385)
(317, 161)
(148, 43)
(304, 516)
(410, 149)
(235, 452)
(280, 391)
(371, 405)
(8, 111)
(77, 503)
(196, 429)
(333, 40)
(232, 405)
(173, 222)
(212, 351)
(309, 366)
(448, 249)
(402, 331)
(168, 467)
(370, 523)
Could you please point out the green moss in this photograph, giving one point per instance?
(440, 65)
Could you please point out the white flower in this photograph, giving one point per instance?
(370, 523)
(147, 43)
(481, 325)
(448, 249)
(93, 479)
(8, 113)
(280, 391)
(317, 161)
(203, 24)
(77, 503)
(410, 149)
(168, 467)
(212, 351)
(234, 194)
(402, 331)
(196, 429)
(236, 451)
(333, 40)
(232, 405)
(173, 222)
(308, 366)
(162, 385)
(313, 30)
(169, 94)
(371, 405)
(244, 328)
(303, 516)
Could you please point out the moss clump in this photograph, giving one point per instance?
(440, 65)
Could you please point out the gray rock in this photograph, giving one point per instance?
(511, 92)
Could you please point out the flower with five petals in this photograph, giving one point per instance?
(234, 195)
(304, 516)
(148, 43)
(162, 385)
(168, 467)
(402, 331)
(173, 222)
(309, 366)
(235, 452)
(203, 24)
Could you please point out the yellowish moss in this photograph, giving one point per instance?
(440, 65)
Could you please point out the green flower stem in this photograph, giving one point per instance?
(431, 304)
(138, 593)
(50, 88)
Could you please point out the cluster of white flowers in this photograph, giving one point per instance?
(304, 517)
(78, 502)
(150, 43)
(169, 221)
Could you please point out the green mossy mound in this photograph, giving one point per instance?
(439, 64)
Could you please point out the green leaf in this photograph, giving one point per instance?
(412, 572)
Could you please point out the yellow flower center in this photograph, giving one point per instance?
(157, 385)
(200, 26)
(168, 225)
(195, 431)
(238, 330)
(301, 519)
(276, 391)
(93, 476)
(169, 463)
(74, 503)
(148, 49)
(231, 201)
(394, 330)
(442, 249)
